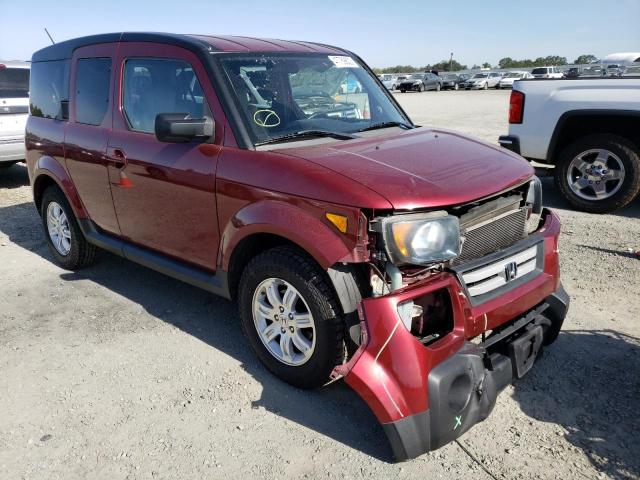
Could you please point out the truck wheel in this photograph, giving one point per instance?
(65, 239)
(599, 173)
(291, 316)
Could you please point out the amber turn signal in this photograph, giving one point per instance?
(340, 221)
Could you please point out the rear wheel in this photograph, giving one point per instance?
(291, 316)
(402, 90)
(455, 86)
(438, 87)
(485, 86)
(599, 173)
(64, 237)
(421, 88)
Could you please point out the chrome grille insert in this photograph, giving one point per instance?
(490, 277)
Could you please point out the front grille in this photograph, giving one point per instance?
(493, 234)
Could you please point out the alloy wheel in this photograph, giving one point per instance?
(595, 174)
(58, 228)
(284, 322)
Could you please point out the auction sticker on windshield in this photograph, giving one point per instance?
(342, 61)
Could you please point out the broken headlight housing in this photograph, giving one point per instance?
(421, 238)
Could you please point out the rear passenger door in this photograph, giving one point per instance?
(87, 133)
(164, 193)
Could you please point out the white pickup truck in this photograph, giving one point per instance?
(588, 129)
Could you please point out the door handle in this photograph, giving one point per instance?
(117, 157)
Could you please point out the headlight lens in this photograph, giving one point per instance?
(421, 239)
(534, 204)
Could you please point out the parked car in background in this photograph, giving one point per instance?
(587, 129)
(389, 81)
(483, 81)
(14, 109)
(546, 72)
(507, 80)
(359, 249)
(452, 81)
(419, 82)
(573, 72)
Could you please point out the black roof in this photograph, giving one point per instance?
(64, 50)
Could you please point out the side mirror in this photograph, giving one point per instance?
(179, 128)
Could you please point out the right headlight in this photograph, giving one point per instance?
(534, 204)
(421, 238)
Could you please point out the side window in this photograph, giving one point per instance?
(153, 86)
(92, 89)
(48, 87)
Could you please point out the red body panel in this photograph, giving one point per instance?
(392, 369)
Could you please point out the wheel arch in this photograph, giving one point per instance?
(270, 223)
(49, 172)
(577, 123)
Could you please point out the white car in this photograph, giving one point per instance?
(483, 81)
(507, 81)
(14, 110)
(390, 82)
(546, 72)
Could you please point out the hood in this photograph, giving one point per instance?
(422, 168)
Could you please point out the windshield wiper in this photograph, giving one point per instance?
(377, 126)
(308, 133)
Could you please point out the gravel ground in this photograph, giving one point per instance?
(117, 372)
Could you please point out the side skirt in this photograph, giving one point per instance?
(214, 282)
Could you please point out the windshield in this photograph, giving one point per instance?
(281, 95)
(480, 75)
(14, 83)
(450, 77)
(417, 76)
(539, 71)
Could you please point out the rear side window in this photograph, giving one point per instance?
(539, 71)
(92, 89)
(14, 82)
(153, 86)
(48, 87)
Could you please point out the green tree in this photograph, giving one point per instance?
(486, 65)
(584, 59)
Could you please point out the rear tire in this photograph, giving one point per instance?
(456, 87)
(583, 195)
(420, 88)
(65, 239)
(266, 283)
(485, 86)
(438, 87)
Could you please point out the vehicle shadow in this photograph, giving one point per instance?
(15, 176)
(334, 410)
(552, 198)
(589, 383)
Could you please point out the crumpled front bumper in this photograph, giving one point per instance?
(426, 396)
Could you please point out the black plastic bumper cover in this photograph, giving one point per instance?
(463, 389)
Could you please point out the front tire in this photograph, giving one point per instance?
(485, 86)
(599, 173)
(291, 316)
(65, 239)
(438, 87)
(420, 88)
(456, 87)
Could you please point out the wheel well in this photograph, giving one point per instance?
(577, 126)
(40, 185)
(246, 250)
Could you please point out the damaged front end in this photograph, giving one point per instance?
(436, 347)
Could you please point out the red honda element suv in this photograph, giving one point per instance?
(416, 263)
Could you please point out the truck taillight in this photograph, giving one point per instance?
(516, 107)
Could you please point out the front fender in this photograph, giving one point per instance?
(321, 240)
(47, 168)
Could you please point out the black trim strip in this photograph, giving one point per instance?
(214, 282)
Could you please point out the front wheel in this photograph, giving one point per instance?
(599, 173)
(438, 87)
(456, 87)
(402, 90)
(290, 315)
(420, 88)
(485, 86)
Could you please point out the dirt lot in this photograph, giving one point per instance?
(118, 372)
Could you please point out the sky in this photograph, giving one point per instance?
(383, 33)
